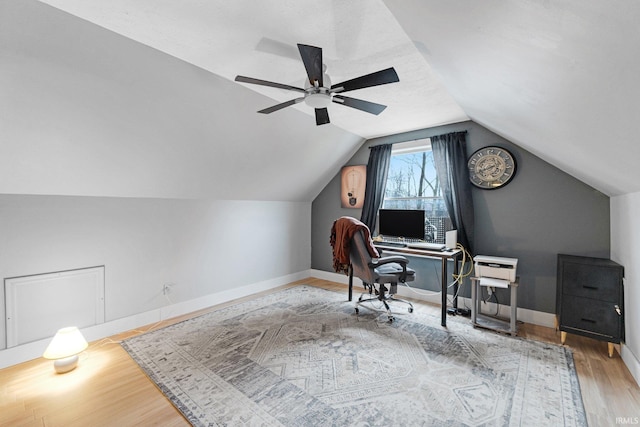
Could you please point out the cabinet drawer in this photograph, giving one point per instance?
(593, 316)
(591, 281)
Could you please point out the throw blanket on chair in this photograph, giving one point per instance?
(342, 232)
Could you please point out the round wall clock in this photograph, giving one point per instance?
(491, 167)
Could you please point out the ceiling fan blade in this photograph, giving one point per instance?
(322, 116)
(281, 106)
(279, 48)
(369, 107)
(378, 78)
(251, 80)
(312, 59)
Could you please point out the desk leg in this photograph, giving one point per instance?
(350, 282)
(443, 320)
(514, 309)
(474, 296)
(457, 285)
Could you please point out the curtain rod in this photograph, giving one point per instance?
(417, 139)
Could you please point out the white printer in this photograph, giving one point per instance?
(496, 267)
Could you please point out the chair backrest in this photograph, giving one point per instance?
(360, 259)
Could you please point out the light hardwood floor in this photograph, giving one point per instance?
(109, 389)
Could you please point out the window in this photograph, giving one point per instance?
(412, 183)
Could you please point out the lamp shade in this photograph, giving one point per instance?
(67, 342)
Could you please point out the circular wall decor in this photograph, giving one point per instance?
(491, 167)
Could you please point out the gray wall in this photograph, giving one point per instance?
(540, 213)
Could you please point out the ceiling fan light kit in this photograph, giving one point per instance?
(318, 91)
(318, 100)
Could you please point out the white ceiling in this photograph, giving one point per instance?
(258, 39)
(557, 78)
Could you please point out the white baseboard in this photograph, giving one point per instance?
(529, 316)
(327, 275)
(33, 350)
(525, 315)
(632, 362)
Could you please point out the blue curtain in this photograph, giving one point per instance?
(377, 171)
(450, 157)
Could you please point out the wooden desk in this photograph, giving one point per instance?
(444, 256)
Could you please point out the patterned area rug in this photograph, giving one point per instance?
(302, 357)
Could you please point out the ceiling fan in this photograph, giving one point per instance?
(319, 92)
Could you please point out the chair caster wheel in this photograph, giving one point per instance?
(357, 311)
(410, 309)
(391, 319)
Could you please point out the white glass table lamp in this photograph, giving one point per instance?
(64, 349)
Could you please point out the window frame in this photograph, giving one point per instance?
(433, 232)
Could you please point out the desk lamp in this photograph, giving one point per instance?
(64, 349)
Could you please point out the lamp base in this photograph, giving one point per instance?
(65, 365)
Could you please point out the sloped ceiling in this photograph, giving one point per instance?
(557, 77)
(137, 98)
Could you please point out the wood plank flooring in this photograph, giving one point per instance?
(109, 389)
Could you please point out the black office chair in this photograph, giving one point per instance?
(378, 271)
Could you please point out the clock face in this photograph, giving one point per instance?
(491, 167)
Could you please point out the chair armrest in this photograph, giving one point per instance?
(398, 259)
(389, 259)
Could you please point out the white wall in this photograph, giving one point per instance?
(115, 154)
(202, 247)
(84, 111)
(625, 249)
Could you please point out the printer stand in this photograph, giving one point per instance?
(491, 322)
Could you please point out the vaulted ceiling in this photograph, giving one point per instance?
(138, 98)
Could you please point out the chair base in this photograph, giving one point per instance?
(383, 297)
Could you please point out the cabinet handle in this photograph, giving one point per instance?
(595, 288)
(588, 320)
(617, 307)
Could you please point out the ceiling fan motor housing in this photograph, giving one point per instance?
(318, 96)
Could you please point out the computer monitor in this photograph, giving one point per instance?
(405, 223)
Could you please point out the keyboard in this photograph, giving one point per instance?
(391, 244)
(427, 245)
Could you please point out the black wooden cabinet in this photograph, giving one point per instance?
(590, 298)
